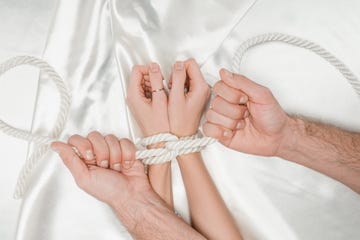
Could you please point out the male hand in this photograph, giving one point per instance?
(265, 127)
(117, 188)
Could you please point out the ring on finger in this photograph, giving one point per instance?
(158, 90)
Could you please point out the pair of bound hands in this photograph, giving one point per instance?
(243, 116)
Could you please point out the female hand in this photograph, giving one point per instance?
(188, 96)
(147, 99)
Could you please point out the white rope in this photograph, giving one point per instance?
(298, 42)
(43, 142)
(173, 146)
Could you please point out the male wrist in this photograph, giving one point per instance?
(132, 211)
(293, 131)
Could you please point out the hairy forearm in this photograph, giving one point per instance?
(147, 217)
(209, 214)
(324, 148)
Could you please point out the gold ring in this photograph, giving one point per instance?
(158, 90)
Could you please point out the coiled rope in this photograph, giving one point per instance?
(173, 145)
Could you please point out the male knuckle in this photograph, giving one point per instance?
(238, 112)
(208, 115)
(135, 68)
(266, 92)
(93, 134)
(111, 137)
(191, 60)
(73, 138)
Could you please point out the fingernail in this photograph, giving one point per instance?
(226, 133)
(117, 166)
(243, 100)
(179, 66)
(154, 67)
(239, 125)
(89, 155)
(246, 114)
(228, 74)
(104, 164)
(127, 164)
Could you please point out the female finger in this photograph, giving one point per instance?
(157, 86)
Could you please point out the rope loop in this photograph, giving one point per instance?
(173, 147)
(65, 100)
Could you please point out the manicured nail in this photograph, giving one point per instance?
(239, 125)
(117, 166)
(104, 164)
(228, 74)
(89, 155)
(246, 114)
(243, 100)
(154, 67)
(179, 66)
(127, 164)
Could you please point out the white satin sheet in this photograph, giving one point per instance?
(94, 44)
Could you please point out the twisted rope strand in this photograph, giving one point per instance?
(43, 142)
(298, 42)
(173, 145)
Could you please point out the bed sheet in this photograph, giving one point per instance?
(93, 44)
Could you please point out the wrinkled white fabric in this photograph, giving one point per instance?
(93, 45)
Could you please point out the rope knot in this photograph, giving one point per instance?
(172, 148)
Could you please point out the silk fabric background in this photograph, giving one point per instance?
(93, 45)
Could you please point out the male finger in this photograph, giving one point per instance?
(256, 92)
(233, 111)
(84, 146)
(127, 153)
(75, 165)
(218, 132)
(230, 94)
(216, 118)
(115, 152)
(101, 149)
